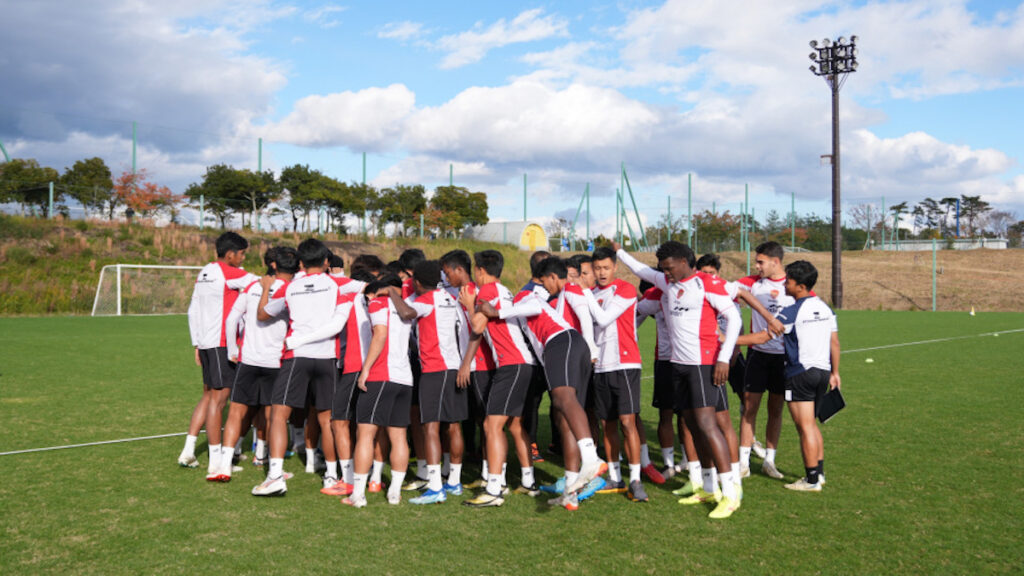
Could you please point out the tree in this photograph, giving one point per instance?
(89, 182)
(1014, 233)
(997, 222)
(773, 223)
(865, 216)
(224, 191)
(718, 230)
(402, 205)
(973, 207)
(933, 214)
(897, 212)
(950, 204)
(146, 198)
(26, 182)
(455, 207)
(303, 186)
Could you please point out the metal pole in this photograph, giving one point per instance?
(636, 211)
(49, 209)
(935, 247)
(364, 168)
(837, 213)
(421, 225)
(451, 175)
(202, 214)
(883, 223)
(689, 208)
(618, 217)
(4, 150)
(524, 197)
(957, 217)
(588, 210)
(259, 156)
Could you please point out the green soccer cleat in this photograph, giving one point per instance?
(724, 509)
(484, 500)
(701, 497)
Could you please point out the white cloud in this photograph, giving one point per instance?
(402, 31)
(472, 45)
(324, 16)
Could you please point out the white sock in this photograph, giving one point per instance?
(735, 469)
(261, 448)
(395, 488)
(694, 470)
(359, 487)
(421, 469)
(769, 455)
(226, 459)
(214, 457)
(190, 446)
(332, 469)
(708, 474)
(527, 476)
(571, 477)
(484, 472)
(375, 471)
(310, 457)
(455, 475)
(276, 468)
(434, 477)
(645, 455)
(745, 456)
(346, 471)
(615, 472)
(494, 484)
(669, 456)
(588, 451)
(446, 463)
(504, 468)
(634, 473)
(729, 486)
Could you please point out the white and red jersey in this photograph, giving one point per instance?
(542, 321)
(310, 302)
(652, 304)
(393, 363)
(484, 357)
(356, 335)
(613, 308)
(505, 336)
(439, 327)
(772, 295)
(262, 342)
(691, 311)
(572, 304)
(347, 285)
(216, 289)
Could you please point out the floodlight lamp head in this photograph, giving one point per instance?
(841, 40)
(826, 42)
(854, 65)
(814, 43)
(853, 39)
(814, 70)
(813, 55)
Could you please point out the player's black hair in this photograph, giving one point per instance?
(428, 273)
(411, 257)
(458, 259)
(368, 262)
(383, 282)
(771, 249)
(552, 265)
(312, 253)
(536, 261)
(803, 272)
(678, 250)
(362, 275)
(604, 253)
(394, 267)
(574, 263)
(710, 259)
(230, 242)
(644, 287)
(268, 259)
(335, 261)
(287, 259)
(491, 261)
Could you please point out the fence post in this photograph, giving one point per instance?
(202, 215)
(49, 209)
(118, 289)
(935, 248)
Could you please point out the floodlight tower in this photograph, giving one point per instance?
(833, 61)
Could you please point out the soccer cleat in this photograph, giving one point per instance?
(188, 461)
(414, 485)
(271, 487)
(614, 488)
(668, 472)
(430, 497)
(802, 485)
(453, 489)
(591, 488)
(339, 488)
(588, 471)
(570, 502)
(636, 491)
(701, 497)
(821, 479)
(329, 482)
(394, 498)
(535, 453)
(374, 487)
(758, 449)
(739, 491)
(556, 488)
(349, 501)
(744, 471)
(653, 474)
(724, 509)
(218, 476)
(533, 491)
(236, 468)
(476, 484)
(310, 467)
(769, 469)
(686, 489)
(484, 500)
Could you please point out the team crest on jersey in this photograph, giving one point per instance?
(601, 301)
(775, 293)
(680, 293)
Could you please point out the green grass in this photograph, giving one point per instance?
(924, 471)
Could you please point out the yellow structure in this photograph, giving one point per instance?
(528, 236)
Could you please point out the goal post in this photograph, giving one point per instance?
(143, 289)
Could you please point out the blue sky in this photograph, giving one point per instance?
(561, 91)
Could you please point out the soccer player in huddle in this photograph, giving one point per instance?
(216, 289)
(811, 344)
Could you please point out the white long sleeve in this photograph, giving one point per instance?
(231, 327)
(643, 271)
(329, 329)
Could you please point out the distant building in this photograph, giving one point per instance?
(528, 236)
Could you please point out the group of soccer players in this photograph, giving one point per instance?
(433, 350)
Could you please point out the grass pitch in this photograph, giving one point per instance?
(924, 474)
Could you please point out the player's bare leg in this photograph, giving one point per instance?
(772, 432)
(399, 462)
(214, 420)
(748, 423)
(239, 418)
(279, 437)
(811, 446)
(187, 458)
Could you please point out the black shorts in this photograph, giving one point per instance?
(480, 385)
(567, 363)
(664, 386)
(695, 387)
(254, 385)
(385, 404)
(302, 378)
(345, 396)
(617, 393)
(508, 390)
(737, 374)
(808, 386)
(218, 372)
(765, 372)
(416, 368)
(441, 399)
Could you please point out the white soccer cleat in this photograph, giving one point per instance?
(744, 471)
(802, 485)
(588, 472)
(758, 449)
(271, 487)
(394, 498)
(188, 461)
(769, 469)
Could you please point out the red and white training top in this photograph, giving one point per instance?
(691, 311)
(772, 295)
(652, 305)
(613, 308)
(393, 363)
(484, 357)
(356, 335)
(542, 321)
(439, 323)
(505, 336)
(571, 303)
(261, 342)
(216, 289)
(310, 302)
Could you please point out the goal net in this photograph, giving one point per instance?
(141, 289)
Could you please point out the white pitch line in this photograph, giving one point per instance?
(901, 345)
